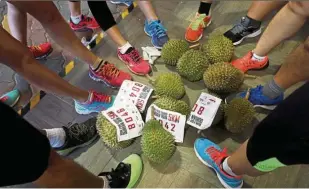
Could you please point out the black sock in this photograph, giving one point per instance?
(204, 8)
(252, 22)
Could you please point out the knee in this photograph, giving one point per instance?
(299, 7)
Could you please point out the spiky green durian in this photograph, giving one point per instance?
(218, 48)
(173, 50)
(171, 104)
(169, 84)
(108, 133)
(158, 145)
(239, 114)
(192, 65)
(223, 78)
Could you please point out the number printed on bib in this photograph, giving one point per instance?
(138, 93)
(204, 111)
(172, 122)
(127, 120)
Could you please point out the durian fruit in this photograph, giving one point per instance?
(108, 133)
(169, 84)
(223, 78)
(171, 104)
(173, 50)
(158, 145)
(239, 114)
(192, 65)
(220, 112)
(218, 48)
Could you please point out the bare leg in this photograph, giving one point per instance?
(260, 9)
(75, 9)
(17, 20)
(54, 24)
(148, 10)
(65, 173)
(289, 19)
(116, 36)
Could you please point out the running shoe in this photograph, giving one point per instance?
(257, 98)
(10, 98)
(109, 74)
(125, 2)
(135, 63)
(126, 174)
(245, 29)
(157, 32)
(212, 156)
(77, 136)
(85, 24)
(41, 51)
(97, 102)
(247, 63)
(196, 28)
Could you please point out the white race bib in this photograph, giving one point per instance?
(172, 122)
(138, 93)
(204, 111)
(127, 120)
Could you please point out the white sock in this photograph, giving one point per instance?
(56, 137)
(227, 168)
(124, 48)
(257, 57)
(76, 19)
(106, 185)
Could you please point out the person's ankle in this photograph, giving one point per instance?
(99, 61)
(149, 20)
(85, 99)
(123, 49)
(76, 19)
(257, 56)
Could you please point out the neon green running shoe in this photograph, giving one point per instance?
(126, 174)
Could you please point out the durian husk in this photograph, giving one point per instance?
(173, 50)
(171, 104)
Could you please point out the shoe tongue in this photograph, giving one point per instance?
(130, 49)
(245, 21)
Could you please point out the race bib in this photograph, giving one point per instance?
(138, 93)
(204, 111)
(127, 120)
(172, 122)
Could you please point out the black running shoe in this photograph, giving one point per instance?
(247, 28)
(78, 135)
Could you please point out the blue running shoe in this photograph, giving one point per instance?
(157, 32)
(212, 156)
(125, 2)
(257, 98)
(96, 103)
(11, 98)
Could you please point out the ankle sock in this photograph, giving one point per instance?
(204, 8)
(97, 64)
(123, 49)
(272, 89)
(250, 22)
(106, 184)
(76, 19)
(257, 57)
(56, 137)
(227, 168)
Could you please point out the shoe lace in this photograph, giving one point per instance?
(35, 48)
(76, 130)
(216, 154)
(198, 20)
(158, 29)
(135, 56)
(239, 27)
(109, 70)
(96, 97)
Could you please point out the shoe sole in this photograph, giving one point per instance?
(102, 81)
(218, 175)
(271, 107)
(151, 40)
(256, 33)
(45, 55)
(70, 150)
(119, 3)
(199, 37)
(130, 67)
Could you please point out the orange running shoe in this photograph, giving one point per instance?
(195, 30)
(41, 51)
(246, 63)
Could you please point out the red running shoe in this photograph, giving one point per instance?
(109, 74)
(246, 63)
(86, 23)
(41, 51)
(134, 61)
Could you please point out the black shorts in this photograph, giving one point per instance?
(24, 152)
(284, 133)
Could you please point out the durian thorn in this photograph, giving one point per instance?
(247, 94)
(149, 78)
(250, 76)
(155, 97)
(195, 45)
